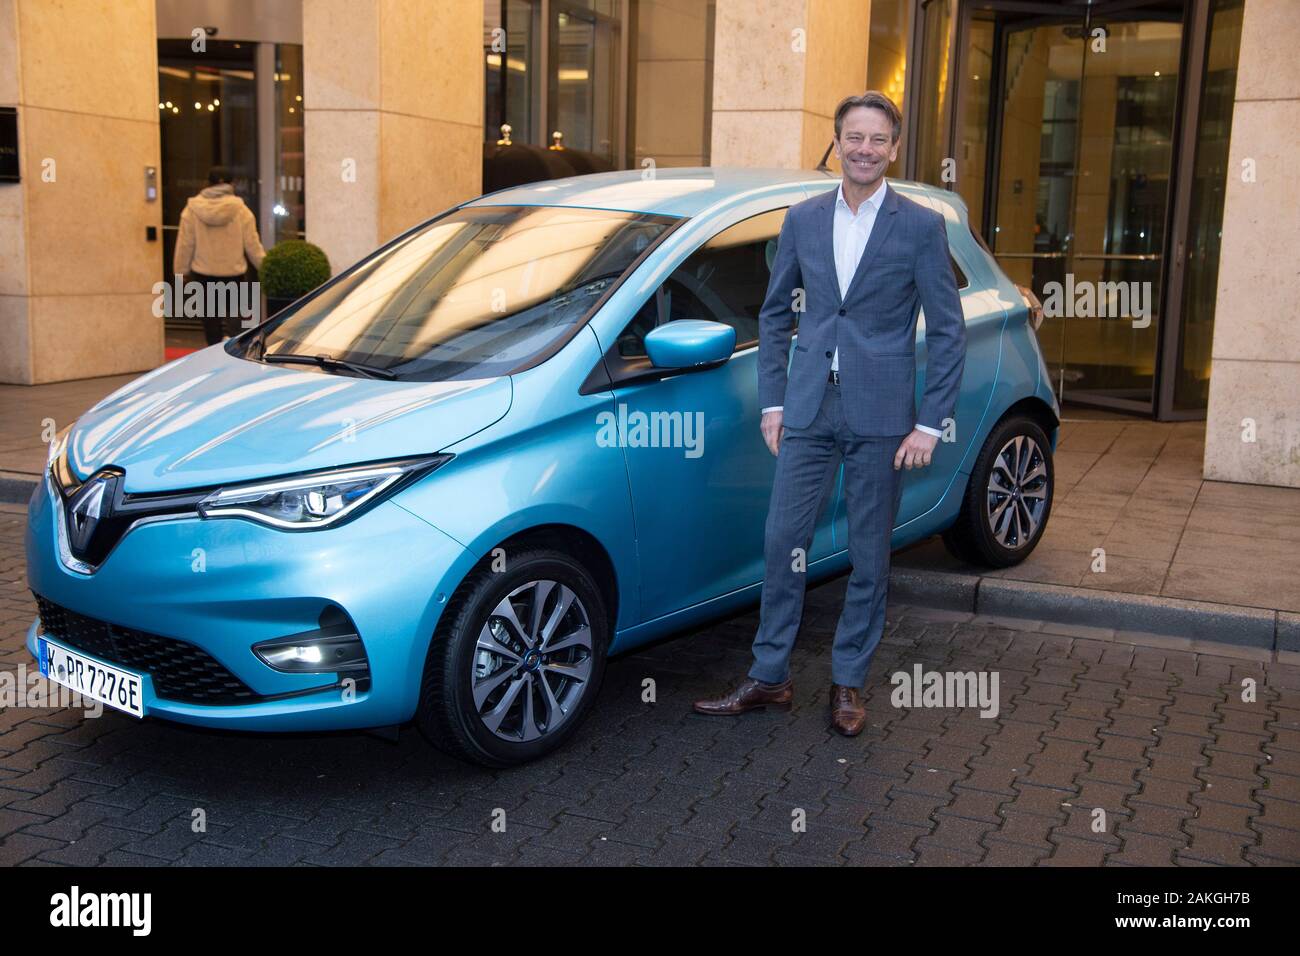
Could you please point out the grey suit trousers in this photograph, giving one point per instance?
(872, 489)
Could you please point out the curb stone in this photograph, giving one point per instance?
(1195, 620)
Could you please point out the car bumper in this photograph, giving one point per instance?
(225, 585)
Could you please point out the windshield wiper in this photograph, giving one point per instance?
(325, 361)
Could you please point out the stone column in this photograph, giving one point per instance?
(76, 267)
(393, 92)
(671, 76)
(1255, 359)
(780, 69)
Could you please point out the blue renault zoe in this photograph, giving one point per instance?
(449, 483)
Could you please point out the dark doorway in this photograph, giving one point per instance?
(207, 107)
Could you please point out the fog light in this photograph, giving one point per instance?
(293, 655)
(314, 652)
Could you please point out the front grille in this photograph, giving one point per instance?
(180, 671)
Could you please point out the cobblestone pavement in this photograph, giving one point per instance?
(1156, 737)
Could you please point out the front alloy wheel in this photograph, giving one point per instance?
(533, 661)
(516, 660)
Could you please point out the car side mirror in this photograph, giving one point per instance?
(689, 343)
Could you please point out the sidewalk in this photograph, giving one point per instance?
(24, 409)
(1204, 560)
(1210, 560)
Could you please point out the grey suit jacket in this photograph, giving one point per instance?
(904, 267)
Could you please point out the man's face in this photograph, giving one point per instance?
(866, 145)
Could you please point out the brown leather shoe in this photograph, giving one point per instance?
(749, 695)
(848, 715)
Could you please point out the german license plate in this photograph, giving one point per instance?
(105, 683)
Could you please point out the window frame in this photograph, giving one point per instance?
(616, 370)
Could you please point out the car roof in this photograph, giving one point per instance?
(686, 190)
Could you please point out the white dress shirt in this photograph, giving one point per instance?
(851, 233)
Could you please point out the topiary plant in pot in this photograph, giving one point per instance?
(289, 271)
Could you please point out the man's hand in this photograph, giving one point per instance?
(916, 450)
(772, 428)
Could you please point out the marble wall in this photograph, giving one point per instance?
(394, 119)
(672, 74)
(1255, 366)
(774, 103)
(76, 268)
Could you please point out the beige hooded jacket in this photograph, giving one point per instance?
(217, 232)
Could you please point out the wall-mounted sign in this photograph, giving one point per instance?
(8, 144)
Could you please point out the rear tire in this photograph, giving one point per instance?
(506, 680)
(1008, 498)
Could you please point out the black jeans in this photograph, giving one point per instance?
(216, 325)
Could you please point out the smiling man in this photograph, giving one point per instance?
(861, 260)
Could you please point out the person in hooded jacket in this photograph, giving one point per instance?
(217, 233)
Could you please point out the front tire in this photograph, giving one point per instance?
(1008, 499)
(516, 660)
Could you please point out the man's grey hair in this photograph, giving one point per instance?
(874, 100)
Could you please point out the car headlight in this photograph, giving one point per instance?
(56, 462)
(57, 446)
(317, 500)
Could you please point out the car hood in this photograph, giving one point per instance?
(211, 418)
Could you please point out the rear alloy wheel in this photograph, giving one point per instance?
(1008, 499)
(516, 661)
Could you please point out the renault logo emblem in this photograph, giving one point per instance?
(93, 501)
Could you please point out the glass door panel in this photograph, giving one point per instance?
(1041, 70)
(1191, 387)
(585, 87)
(1121, 204)
(207, 112)
(290, 207)
(971, 146)
(933, 93)
(1082, 192)
(510, 29)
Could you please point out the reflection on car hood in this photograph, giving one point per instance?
(211, 418)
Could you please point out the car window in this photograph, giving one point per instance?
(474, 294)
(725, 280)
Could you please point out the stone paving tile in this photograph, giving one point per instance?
(1157, 737)
(27, 406)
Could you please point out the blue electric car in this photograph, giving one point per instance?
(446, 485)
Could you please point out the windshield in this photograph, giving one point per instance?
(475, 294)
